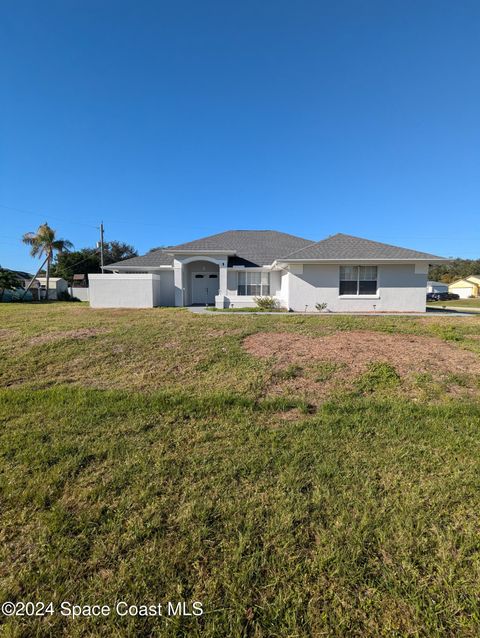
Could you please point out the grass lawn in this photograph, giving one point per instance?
(254, 309)
(463, 303)
(326, 487)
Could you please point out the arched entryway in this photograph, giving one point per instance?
(201, 283)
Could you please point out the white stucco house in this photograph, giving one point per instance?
(230, 269)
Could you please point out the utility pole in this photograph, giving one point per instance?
(101, 246)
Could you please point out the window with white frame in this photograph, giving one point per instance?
(358, 280)
(253, 283)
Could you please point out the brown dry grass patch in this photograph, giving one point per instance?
(357, 349)
(57, 335)
(7, 333)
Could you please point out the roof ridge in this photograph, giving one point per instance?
(249, 230)
(314, 243)
(368, 244)
(319, 241)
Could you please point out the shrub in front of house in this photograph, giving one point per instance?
(266, 303)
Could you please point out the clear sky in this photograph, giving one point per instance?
(174, 120)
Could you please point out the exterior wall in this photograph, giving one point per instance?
(232, 300)
(124, 290)
(283, 293)
(167, 288)
(157, 291)
(400, 289)
(81, 293)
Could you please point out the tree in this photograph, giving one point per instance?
(158, 248)
(87, 260)
(77, 262)
(114, 251)
(8, 281)
(457, 269)
(44, 243)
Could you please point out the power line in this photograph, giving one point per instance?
(95, 252)
(162, 224)
(69, 221)
(31, 212)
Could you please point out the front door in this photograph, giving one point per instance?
(204, 288)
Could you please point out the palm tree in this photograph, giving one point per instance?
(43, 244)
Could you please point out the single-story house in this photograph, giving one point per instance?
(232, 268)
(56, 286)
(436, 286)
(465, 288)
(24, 279)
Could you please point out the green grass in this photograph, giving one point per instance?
(464, 303)
(149, 463)
(378, 376)
(255, 309)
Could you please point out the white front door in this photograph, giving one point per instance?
(204, 287)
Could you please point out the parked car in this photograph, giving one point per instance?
(442, 296)
(447, 296)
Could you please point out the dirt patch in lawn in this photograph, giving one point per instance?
(357, 349)
(7, 333)
(80, 333)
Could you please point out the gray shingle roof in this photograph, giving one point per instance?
(342, 246)
(153, 259)
(252, 248)
(263, 247)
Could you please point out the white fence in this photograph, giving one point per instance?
(80, 293)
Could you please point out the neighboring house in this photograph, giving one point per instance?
(436, 286)
(24, 279)
(230, 269)
(56, 286)
(465, 288)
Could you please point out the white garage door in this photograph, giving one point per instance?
(463, 293)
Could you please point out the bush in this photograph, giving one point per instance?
(321, 306)
(266, 303)
(64, 295)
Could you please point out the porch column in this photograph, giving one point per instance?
(178, 283)
(220, 299)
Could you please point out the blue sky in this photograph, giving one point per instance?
(175, 120)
